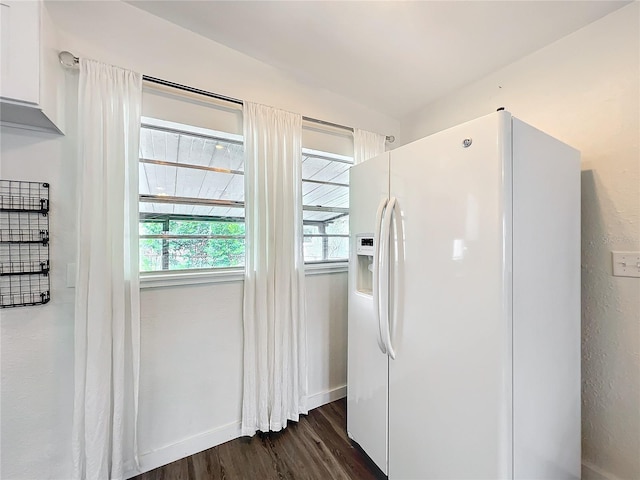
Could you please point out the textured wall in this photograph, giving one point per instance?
(584, 89)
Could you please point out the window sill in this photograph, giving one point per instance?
(175, 279)
(322, 268)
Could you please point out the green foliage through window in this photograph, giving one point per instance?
(191, 244)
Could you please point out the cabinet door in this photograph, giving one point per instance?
(20, 51)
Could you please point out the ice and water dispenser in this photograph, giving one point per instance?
(364, 252)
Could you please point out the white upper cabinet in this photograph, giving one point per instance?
(30, 74)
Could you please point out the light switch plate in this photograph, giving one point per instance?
(626, 264)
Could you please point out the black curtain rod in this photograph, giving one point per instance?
(69, 60)
(185, 88)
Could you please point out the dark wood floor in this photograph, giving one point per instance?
(317, 447)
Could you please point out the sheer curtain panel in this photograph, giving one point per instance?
(367, 145)
(275, 366)
(107, 305)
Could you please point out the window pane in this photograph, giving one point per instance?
(313, 248)
(338, 226)
(324, 169)
(313, 216)
(173, 253)
(319, 249)
(191, 227)
(215, 212)
(171, 146)
(205, 253)
(325, 247)
(338, 248)
(171, 181)
(150, 255)
(151, 228)
(325, 195)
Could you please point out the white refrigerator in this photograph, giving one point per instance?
(464, 305)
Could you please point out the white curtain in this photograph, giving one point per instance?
(107, 307)
(275, 367)
(367, 145)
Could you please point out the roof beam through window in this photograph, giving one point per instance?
(190, 165)
(188, 133)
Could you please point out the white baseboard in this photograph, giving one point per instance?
(184, 448)
(591, 472)
(212, 438)
(322, 398)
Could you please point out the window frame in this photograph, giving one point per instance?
(339, 263)
(158, 278)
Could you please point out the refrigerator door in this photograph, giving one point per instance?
(367, 375)
(449, 385)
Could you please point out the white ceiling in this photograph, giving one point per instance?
(393, 56)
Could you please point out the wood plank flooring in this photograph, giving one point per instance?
(317, 447)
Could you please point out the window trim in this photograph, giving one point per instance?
(326, 267)
(175, 278)
(178, 278)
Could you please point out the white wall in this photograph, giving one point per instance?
(191, 335)
(191, 362)
(37, 342)
(584, 89)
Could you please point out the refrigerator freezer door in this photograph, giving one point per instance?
(449, 386)
(367, 375)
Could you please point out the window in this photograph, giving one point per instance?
(191, 197)
(325, 189)
(192, 186)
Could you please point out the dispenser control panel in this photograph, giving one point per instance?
(364, 244)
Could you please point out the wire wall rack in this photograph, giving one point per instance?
(24, 243)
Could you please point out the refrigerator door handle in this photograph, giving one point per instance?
(384, 274)
(377, 240)
(398, 246)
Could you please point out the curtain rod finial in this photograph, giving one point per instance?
(391, 138)
(68, 59)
